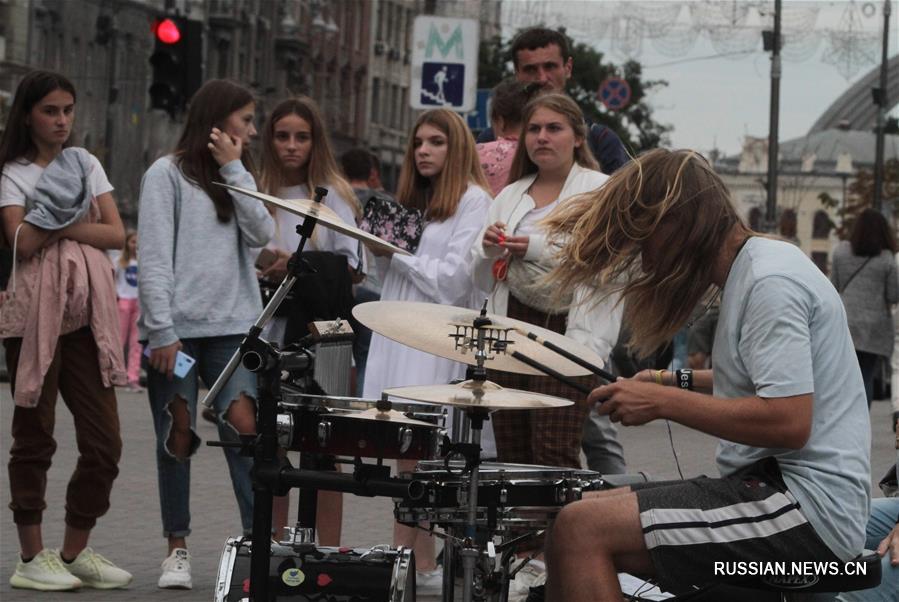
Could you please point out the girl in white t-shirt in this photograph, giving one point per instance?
(297, 157)
(129, 308)
(68, 346)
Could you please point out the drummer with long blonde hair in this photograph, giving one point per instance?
(786, 398)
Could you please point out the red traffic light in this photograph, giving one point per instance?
(167, 32)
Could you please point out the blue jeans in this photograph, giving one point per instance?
(212, 354)
(883, 520)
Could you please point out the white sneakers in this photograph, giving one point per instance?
(96, 571)
(532, 575)
(47, 572)
(44, 572)
(429, 583)
(176, 570)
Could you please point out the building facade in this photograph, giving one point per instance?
(821, 162)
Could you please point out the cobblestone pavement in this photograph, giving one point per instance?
(130, 534)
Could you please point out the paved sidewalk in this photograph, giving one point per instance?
(130, 534)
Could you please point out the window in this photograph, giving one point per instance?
(376, 100)
(821, 225)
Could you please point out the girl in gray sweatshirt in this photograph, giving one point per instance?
(198, 296)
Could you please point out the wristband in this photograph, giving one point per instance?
(684, 379)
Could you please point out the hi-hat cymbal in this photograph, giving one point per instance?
(477, 394)
(446, 331)
(325, 216)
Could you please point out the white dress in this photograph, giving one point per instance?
(439, 272)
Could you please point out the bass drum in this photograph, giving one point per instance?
(320, 574)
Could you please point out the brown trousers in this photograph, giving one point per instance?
(75, 373)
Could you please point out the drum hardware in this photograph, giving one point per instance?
(312, 572)
(270, 475)
(324, 433)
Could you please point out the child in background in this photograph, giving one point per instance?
(129, 308)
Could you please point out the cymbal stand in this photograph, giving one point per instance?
(262, 357)
(469, 551)
(249, 351)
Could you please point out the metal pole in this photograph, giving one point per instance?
(881, 101)
(771, 205)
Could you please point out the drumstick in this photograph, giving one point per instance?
(550, 372)
(568, 355)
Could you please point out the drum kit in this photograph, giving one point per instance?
(485, 513)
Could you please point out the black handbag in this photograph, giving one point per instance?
(393, 223)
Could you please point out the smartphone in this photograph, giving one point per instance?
(265, 259)
(183, 362)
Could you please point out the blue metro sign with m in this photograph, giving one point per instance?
(454, 41)
(444, 63)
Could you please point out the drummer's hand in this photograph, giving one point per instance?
(162, 359)
(516, 245)
(631, 402)
(224, 147)
(494, 235)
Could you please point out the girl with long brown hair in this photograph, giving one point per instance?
(296, 158)
(199, 296)
(58, 322)
(441, 176)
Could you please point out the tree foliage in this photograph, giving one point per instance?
(860, 195)
(634, 125)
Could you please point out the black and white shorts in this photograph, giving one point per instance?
(746, 517)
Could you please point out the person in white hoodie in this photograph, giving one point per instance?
(551, 165)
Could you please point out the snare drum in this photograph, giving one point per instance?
(510, 496)
(344, 434)
(340, 574)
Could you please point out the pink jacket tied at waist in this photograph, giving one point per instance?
(66, 286)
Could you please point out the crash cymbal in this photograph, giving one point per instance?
(388, 416)
(447, 331)
(325, 216)
(479, 394)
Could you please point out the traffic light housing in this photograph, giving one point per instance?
(177, 62)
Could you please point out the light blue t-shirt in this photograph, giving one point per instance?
(782, 332)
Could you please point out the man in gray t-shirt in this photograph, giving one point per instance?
(785, 396)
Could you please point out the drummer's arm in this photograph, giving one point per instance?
(255, 222)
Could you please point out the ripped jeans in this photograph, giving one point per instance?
(212, 354)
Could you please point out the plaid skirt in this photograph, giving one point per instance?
(548, 437)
